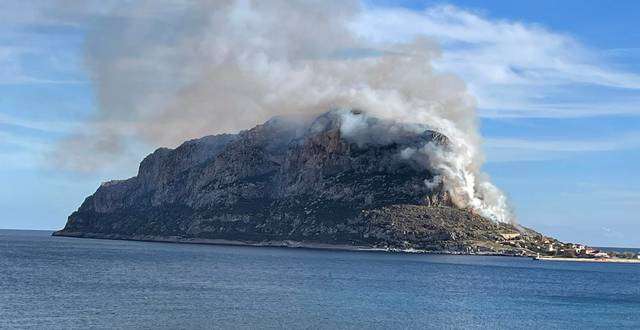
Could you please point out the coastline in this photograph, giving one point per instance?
(318, 246)
(595, 260)
(276, 244)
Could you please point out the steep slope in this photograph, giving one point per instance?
(293, 182)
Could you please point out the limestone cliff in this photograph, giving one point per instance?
(290, 182)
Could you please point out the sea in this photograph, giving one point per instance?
(70, 283)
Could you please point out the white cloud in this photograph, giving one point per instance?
(58, 65)
(514, 69)
(512, 149)
(47, 126)
(563, 109)
(511, 67)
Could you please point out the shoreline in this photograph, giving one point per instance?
(274, 244)
(593, 260)
(318, 246)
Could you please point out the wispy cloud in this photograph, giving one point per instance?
(19, 141)
(627, 141)
(511, 149)
(38, 47)
(567, 109)
(623, 52)
(56, 66)
(46, 126)
(606, 195)
(22, 152)
(513, 68)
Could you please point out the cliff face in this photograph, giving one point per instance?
(290, 180)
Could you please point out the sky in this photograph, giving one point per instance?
(556, 84)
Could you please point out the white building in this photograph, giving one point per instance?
(601, 255)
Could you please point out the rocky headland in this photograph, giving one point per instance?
(300, 183)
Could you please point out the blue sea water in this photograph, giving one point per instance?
(617, 249)
(56, 282)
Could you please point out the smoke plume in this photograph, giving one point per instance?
(164, 73)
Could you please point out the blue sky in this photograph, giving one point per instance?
(556, 84)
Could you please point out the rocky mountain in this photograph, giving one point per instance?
(296, 182)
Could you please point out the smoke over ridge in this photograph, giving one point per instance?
(164, 74)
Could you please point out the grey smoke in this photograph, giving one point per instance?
(164, 73)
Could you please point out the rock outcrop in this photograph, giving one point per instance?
(294, 182)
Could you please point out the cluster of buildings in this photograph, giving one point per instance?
(550, 247)
(556, 248)
(581, 251)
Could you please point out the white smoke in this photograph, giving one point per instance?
(164, 74)
(454, 163)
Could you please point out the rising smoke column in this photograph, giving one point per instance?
(164, 73)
